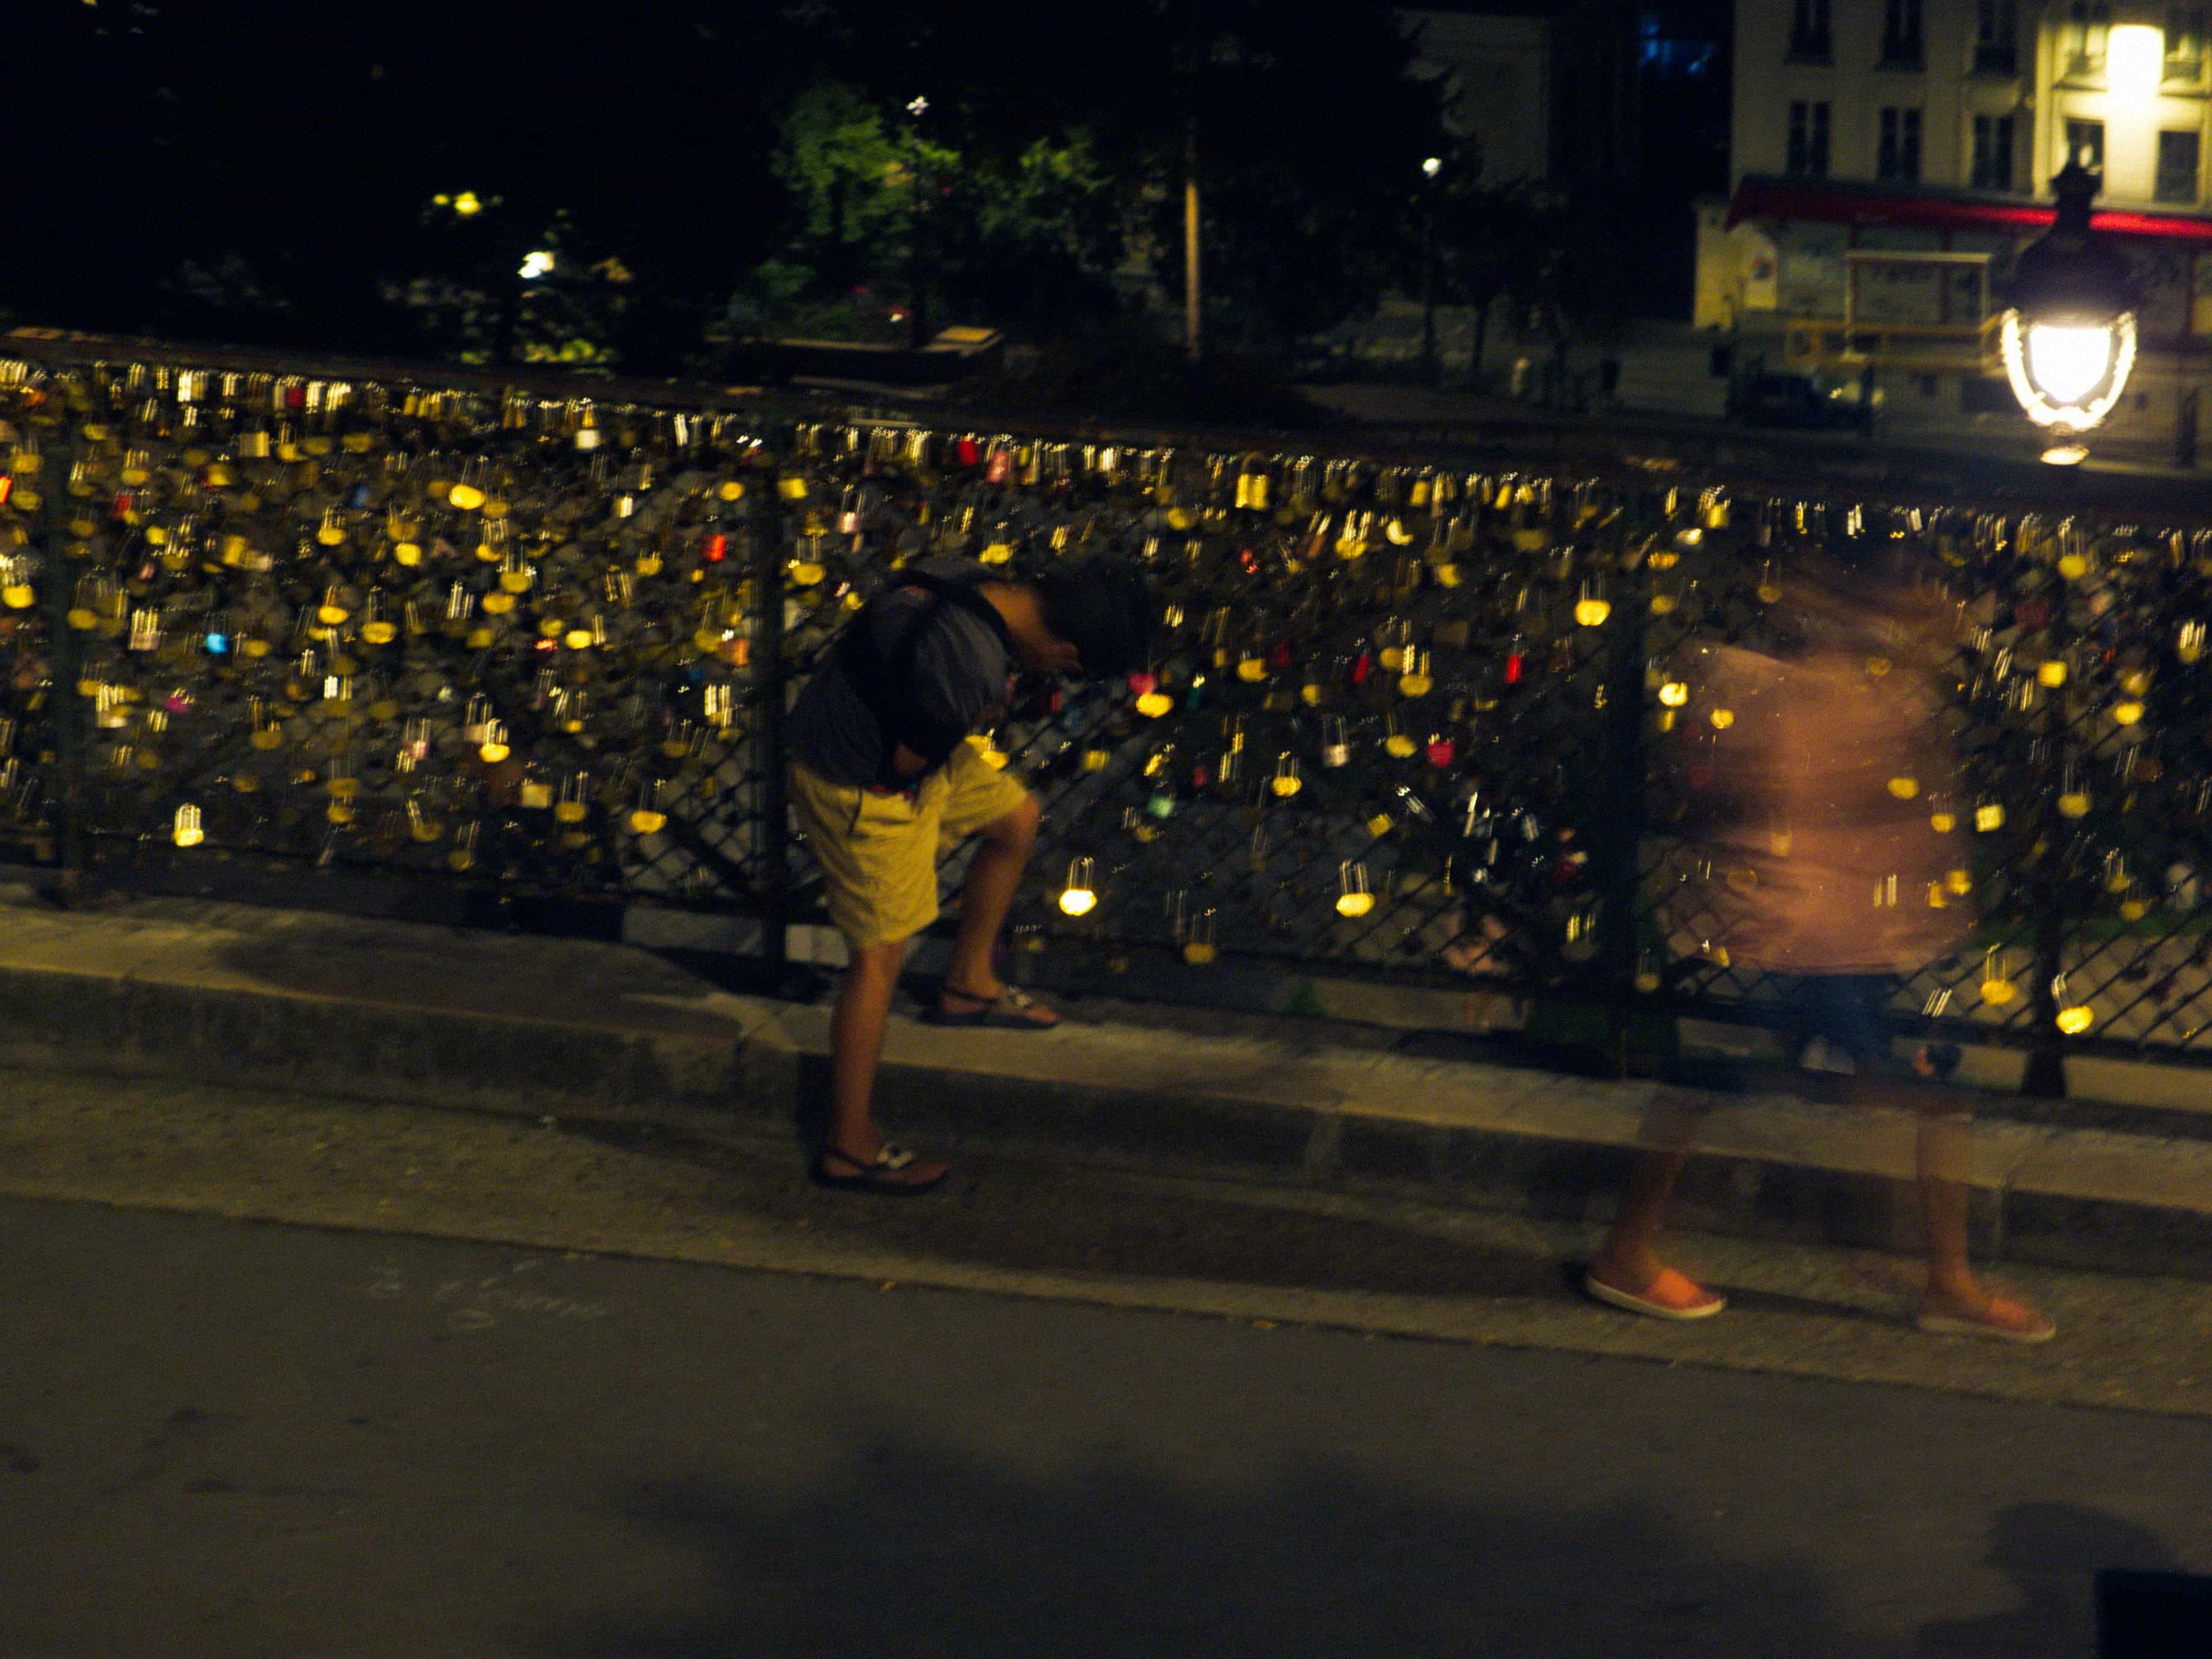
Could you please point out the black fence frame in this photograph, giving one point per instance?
(79, 843)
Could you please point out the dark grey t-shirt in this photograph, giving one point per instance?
(961, 672)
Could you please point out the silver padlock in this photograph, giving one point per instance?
(1335, 744)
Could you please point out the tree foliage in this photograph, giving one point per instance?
(275, 179)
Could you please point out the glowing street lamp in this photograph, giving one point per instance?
(2070, 336)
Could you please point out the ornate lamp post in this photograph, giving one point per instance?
(2069, 335)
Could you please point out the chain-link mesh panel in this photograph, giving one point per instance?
(429, 631)
(2078, 808)
(1374, 730)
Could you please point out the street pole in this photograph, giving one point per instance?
(1429, 299)
(1429, 168)
(771, 753)
(1190, 282)
(1193, 49)
(66, 790)
(917, 310)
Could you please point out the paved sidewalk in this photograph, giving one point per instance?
(380, 1010)
(1044, 1225)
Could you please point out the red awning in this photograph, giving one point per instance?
(1767, 198)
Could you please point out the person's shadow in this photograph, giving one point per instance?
(2052, 1553)
(911, 1551)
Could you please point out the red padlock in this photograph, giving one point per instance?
(1144, 684)
(713, 548)
(967, 451)
(1363, 665)
(1002, 463)
(1516, 665)
(1443, 752)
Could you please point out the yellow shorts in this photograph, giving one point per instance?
(880, 853)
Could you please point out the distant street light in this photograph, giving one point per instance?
(2069, 335)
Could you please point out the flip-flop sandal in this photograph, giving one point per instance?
(1942, 1324)
(1007, 1011)
(880, 1176)
(1675, 1301)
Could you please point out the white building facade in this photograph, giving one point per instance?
(1866, 128)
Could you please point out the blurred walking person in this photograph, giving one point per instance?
(1815, 812)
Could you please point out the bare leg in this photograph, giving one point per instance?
(856, 1047)
(1629, 1259)
(1630, 1255)
(985, 898)
(1942, 1155)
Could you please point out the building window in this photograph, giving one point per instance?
(2085, 143)
(1808, 139)
(1900, 32)
(1996, 37)
(2177, 167)
(1992, 152)
(1808, 29)
(2184, 43)
(1898, 157)
(2081, 39)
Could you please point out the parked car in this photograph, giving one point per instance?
(1793, 398)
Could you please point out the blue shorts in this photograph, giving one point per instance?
(1848, 1011)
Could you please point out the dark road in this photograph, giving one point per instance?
(229, 1438)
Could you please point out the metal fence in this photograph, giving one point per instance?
(1406, 719)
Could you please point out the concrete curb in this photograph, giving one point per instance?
(417, 1014)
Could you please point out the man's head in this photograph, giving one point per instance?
(1099, 613)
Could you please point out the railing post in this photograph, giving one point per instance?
(2054, 896)
(771, 758)
(1621, 844)
(64, 658)
(2045, 1077)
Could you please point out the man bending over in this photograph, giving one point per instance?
(884, 781)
